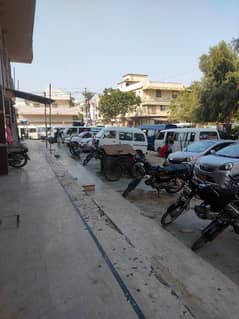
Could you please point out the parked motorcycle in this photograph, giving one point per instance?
(17, 155)
(182, 204)
(223, 209)
(171, 177)
(95, 152)
(210, 194)
(75, 149)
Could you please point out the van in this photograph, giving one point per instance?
(183, 136)
(73, 130)
(123, 135)
(153, 130)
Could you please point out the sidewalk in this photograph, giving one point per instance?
(52, 268)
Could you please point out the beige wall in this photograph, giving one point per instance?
(40, 119)
(152, 108)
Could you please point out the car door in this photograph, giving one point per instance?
(109, 137)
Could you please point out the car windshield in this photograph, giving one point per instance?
(199, 147)
(229, 151)
(100, 133)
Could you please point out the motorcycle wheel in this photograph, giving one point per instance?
(199, 243)
(172, 213)
(74, 149)
(18, 160)
(87, 159)
(113, 173)
(175, 185)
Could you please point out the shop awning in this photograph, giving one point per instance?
(28, 96)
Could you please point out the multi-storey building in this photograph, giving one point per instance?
(62, 110)
(16, 30)
(155, 98)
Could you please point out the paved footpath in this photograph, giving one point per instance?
(77, 255)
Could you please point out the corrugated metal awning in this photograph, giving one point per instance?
(28, 96)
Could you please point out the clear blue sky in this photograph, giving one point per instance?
(92, 43)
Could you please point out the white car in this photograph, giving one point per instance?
(84, 139)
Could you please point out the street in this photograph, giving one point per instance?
(94, 254)
(221, 253)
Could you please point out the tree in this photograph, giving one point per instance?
(88, 96)
(184, 107)
(219, 96)
(72, 101)
(235, 44)
(115, 102)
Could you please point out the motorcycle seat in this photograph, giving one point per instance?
(173, 168)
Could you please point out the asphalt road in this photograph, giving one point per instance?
(221, 253)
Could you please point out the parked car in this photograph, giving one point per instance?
(84, 140)
(218, 167)
(73, 130)
(194, 151)
(182, 137)
(123, 135)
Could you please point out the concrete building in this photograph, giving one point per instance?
(62, 112)
(155, 98)
(16, 30)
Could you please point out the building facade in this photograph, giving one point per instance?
(16, 29)
(62, 111)
(155, 99)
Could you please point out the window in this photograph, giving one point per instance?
(208, 136)
(72, 131)
(125, 136)
(191, 136)
(139, 137)
(161, 136)
(87, 135)
(151, 133)
(162, 107)
(174, 94)
(110, 134)
(158, 93)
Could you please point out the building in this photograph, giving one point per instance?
(16, 30)
(62, 110)
(155, 98)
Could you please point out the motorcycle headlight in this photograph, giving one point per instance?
(226, 167)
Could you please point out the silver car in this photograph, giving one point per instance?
(218, 168)
(197, 149)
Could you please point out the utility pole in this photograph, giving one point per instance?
(50, 117)
(45, 122)
(86, 113)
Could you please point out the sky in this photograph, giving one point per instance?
(91, 44)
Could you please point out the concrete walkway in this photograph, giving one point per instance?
(52, 268)
(49, 266)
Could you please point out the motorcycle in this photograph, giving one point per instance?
(170, 177)
(75, 149)
(209, 195)
(223, 209)
(17, 155)
(95, 152)
(182, 204)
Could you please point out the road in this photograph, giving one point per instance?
(221, 253)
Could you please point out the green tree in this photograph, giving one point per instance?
(184, 107)
(219, 96)
(72, 101)
(114, 102)
(235, 44)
